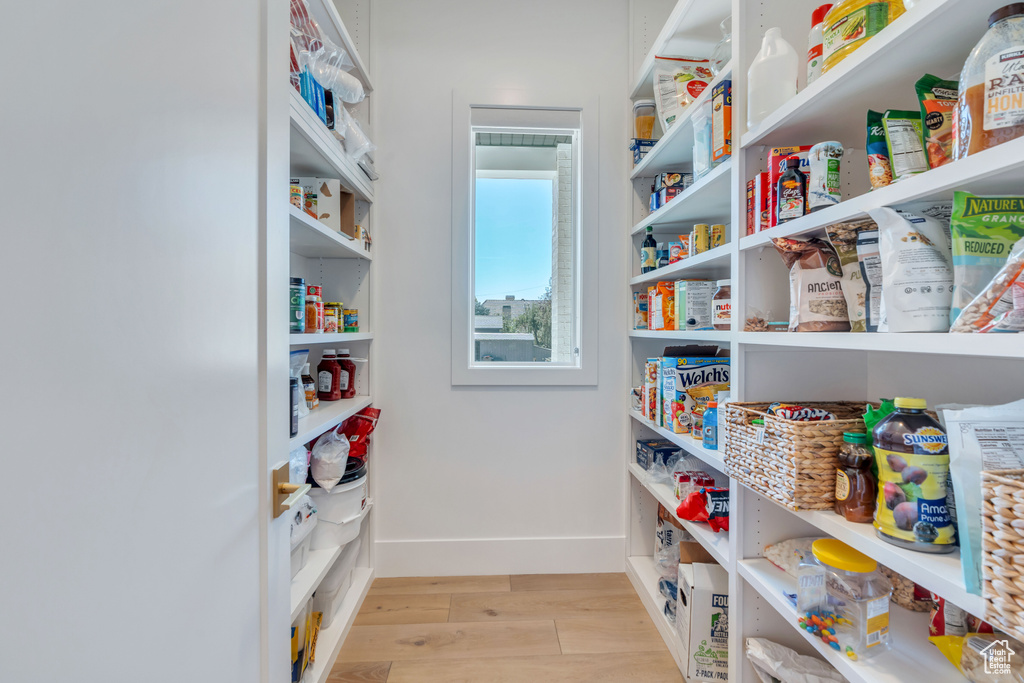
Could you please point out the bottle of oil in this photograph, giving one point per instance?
(648, 252)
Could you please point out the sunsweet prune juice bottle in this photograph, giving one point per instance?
(912, 455)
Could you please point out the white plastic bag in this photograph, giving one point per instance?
(329, 458)
(357, 145)
(773, 662)
(298, 465)
(917, 271)
(678, 81)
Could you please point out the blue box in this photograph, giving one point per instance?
(640, 148)
(651, 452)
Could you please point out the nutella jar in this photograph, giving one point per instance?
(721, 306)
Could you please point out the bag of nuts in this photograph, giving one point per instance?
(1000, 306)
(816, 299)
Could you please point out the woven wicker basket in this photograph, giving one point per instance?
(1002, 549)
(791, 462)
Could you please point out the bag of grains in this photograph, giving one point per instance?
(816, 299)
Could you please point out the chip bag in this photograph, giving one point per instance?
(709, 505)
(678, 81)
(938, 101)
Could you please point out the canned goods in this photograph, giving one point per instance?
(313, 290)
(333, 317)
(701, 238)
(351, 319)
(717, 235)
(297, 306)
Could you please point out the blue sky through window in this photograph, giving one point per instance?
(513, 237)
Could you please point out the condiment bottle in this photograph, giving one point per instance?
(648, 252)
(328, 377)
(314, 309)
(771, 78)
(721, 306)
(855, 485)
(989, 106)
(309, 388)
(347, 378)
(912, 456)
(791, 192)
(814, 54)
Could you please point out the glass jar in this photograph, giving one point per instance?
(722, 52)
(989, 112)
(314, 309)
(855, 617)
(721, 306)
(855, 485)
(297, 313)
(333, 321)
(643, 119)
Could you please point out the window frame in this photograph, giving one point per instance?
(522, 107)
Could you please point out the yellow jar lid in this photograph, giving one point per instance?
(912, 403)
(841, 556)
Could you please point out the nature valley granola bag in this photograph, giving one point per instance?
(984, 230)
(816, 299)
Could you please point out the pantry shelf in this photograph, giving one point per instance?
(333, 338)
(326, 15)
(981, 345)
(879, 75)
(310, 238)
(644, 576)
(720, 336)
(939, 573)
(329, 414)
(690, 445)
(912, 657)
(330, 640)
(706, 200)
(316, 152)
(675, 149)
(712, 262)
(691, 29)
(716, 543)
(994, 171)
(310, 576)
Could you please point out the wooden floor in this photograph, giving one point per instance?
(571, 628)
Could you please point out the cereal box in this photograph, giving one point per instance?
(639, 310)
(652, 389)
(762, 193)
(721, 122)
(693, 304)
(751, 223)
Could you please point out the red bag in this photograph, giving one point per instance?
(709, 505)
(357, 430)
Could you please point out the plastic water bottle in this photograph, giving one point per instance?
(710, 426)
(771, 78)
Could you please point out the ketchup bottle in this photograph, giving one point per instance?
(328, 377)
(347, 379)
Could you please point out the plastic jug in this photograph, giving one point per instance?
(771, 78)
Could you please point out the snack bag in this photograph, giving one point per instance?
(816, 299)
(904, 142)
(879, 168)
(984, 232)
(709, 505)
(843, 237)
(938, 102)
(678, 81)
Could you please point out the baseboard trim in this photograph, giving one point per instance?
(488, 556)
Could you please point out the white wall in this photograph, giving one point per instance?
(490, 480)
(129, 544)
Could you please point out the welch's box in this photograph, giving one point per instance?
(702, 621)
(691, 376)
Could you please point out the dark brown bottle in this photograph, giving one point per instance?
(791, 192)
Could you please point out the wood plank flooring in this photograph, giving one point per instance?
(545, 628)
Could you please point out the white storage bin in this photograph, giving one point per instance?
(300, 554)
(303, 523)
(332, 590)
(328, 534)
(343, 502)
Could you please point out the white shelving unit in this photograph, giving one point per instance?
(342, 267)
(934, 36)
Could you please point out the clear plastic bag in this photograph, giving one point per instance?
(320, 55)
(774, 662)
(661, 473)
(329, 458)
(357, 145)
(298, 465)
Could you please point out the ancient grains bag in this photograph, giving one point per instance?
(816, 299)
(917, 273)
(843, 237)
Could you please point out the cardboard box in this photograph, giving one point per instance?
(762, 195)
(335, 207)
(655, 203)
(650, 452)
(639, 310)
(690, 378)
(776, 167)
(652, 387)
(721, 122)
(681, 180)
(640, 148)
(693, 304)
(751, 222)
(702, 621)
(693, 551)
(667, 194)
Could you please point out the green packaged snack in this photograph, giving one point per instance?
(879, 169)
(938, 101)
(904, 143)
(983, 229)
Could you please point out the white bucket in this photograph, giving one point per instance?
(343, 502)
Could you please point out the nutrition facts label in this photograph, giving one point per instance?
(1002, 446)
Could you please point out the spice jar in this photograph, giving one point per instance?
(721, 306)
(297, 313)
(855, 485)
(314, 309)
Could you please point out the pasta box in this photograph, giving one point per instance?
(702, 621)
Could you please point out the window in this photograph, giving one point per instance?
(520, 241)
